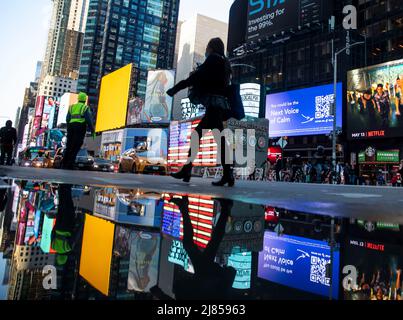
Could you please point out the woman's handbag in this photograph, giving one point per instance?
(195, 97)
(235, 102)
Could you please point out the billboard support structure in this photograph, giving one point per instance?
(334, 133)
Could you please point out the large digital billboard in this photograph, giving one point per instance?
(113, 99)
(147, 143)
(134, 111)
(158, 105)
(268, 17)
(304, 111)
(298, 263)
(375, 101)
(190, 110)
(50, 109)
(250, 94)
(179, 145)
(66, 101)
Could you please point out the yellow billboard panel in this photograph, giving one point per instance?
(96, 253)
(113, 99)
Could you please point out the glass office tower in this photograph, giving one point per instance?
(119, 32)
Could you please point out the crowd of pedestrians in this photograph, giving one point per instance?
(319, 170)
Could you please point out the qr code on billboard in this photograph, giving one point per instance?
(318, 271)
(323, 106)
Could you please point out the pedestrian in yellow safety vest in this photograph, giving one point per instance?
(79, 119)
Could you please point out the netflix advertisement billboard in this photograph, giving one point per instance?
(375, 101)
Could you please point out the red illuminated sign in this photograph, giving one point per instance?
(201, 211)
(179, 145)
(272, 154)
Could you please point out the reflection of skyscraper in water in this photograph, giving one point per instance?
(26, 279)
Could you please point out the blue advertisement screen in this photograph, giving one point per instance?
(299, 263)
(304, 111)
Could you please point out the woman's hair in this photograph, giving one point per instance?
(217, 46)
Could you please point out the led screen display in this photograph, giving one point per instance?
(304, 111)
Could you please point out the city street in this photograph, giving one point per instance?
(367, 203)
(233, 151)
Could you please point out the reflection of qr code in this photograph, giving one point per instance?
(323, 106)
(318, 271)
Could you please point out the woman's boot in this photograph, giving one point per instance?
(185, 173)
(227, 178)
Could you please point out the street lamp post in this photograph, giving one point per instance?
(334, 135)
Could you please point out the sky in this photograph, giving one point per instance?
(23, 35)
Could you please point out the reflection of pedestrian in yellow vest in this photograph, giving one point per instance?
(79, 118)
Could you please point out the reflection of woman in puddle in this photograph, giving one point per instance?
(210, 280)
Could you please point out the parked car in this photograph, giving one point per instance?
(49, 159)
(57, 159)
(139, 161)
(30, 154)
(38, 162)
(103, 165)
(84, 161)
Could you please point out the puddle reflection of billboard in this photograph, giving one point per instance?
(144, 256)
(298, 263)
(201, 211)
(378, 266)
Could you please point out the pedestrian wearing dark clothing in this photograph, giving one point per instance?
(210, 81)
(79, 119)
(320, 160)
(401, 168)
(8, 139)
(296, 165)
(347, 174)
(278, 167)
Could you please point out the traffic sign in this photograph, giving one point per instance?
(282, 143)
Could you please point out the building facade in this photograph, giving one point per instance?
(178, 36)
(65, 38)
(54, 86)
(194, 37)
(120, 32)
(26, 278)
(28, 107)
(300, 56)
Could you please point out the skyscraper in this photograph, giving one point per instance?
(120, 32)
(194, 37)
(65, 38)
